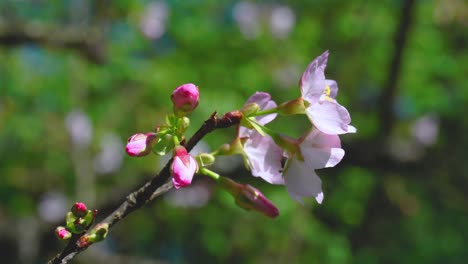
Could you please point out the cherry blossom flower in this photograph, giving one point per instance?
(317, 150)
(183, 168)
(264, 102)
(324, 111)
(263, 155)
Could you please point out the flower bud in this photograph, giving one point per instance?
(183, 168)
(250, 198)
(98, 233)
(62, 233)
(185, 99)
(79, 224)
(140, 144)
(83, 242)
(79, 209)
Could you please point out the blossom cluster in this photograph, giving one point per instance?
(317, 148)
(269, 154)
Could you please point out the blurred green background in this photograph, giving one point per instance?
(78, 77)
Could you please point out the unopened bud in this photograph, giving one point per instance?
(83, 242)
(250, 198)
(98, 233)
(140, 144)
(185, 99)
(62, 233)
(183, 168)
(79, 209)
(79, 224)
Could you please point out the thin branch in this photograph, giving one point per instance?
(86, 41)
(158, 185)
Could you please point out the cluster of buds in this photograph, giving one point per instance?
(78, 220)
(167, 137)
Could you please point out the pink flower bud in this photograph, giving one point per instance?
(62, 233)
(79, 209)
(185, 98)
(83, 242)
(183, 168)
(140, 144)
(249, 198)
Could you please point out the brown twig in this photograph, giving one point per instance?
(158, 185)
(86, 41)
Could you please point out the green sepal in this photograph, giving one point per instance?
(164, 145)
(205, 159)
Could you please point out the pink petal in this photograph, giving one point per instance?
(264, 158)
(322, 158)
(302, 181)
(183, 172)
(330, 117)
(264, 102)
(318, 139)
(312, 81)
(321, 150)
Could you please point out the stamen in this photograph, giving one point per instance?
(326, 95)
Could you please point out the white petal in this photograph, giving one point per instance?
(313, 79)
(321, 150)
(264, 158)
(329, 117)
(264, 102)
(301, 180)
(318, 139)
(336, 155)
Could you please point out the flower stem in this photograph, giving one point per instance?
(266, 112)
(215, 176)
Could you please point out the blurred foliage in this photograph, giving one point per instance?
(115, 63)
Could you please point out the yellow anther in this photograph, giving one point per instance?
(326, 94)
(327, 91)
